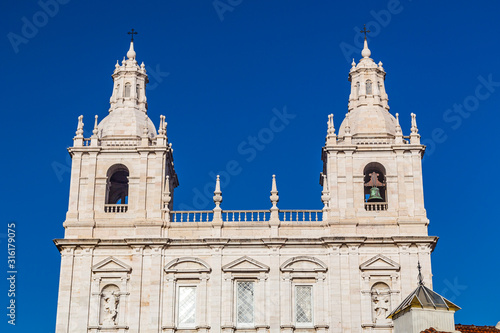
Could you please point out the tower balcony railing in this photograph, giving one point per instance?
(375, 206)
(310, 215)
(117, 208)
(218, 215)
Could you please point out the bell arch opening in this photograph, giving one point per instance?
(117, 189)
(375, 187)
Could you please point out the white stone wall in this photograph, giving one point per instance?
(148, 271)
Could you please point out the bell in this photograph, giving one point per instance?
(375, 195)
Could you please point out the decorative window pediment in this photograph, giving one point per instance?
(111, 264)
(187, 265)
(245, 264)
(303, 264)
(379, 263)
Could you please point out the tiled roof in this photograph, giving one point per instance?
(467, 329)
(423, 297)
(432, 330)
(476, 329)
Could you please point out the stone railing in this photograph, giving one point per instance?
(246, 215)
(191, 216)
(116, 208)
(375, 206)
(218, 215)
(301, 215)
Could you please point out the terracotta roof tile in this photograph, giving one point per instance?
(467, 329)
(432, 330)
(476, 329)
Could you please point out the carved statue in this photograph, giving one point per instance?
(381, 303)
(110, 307)
(380, 307)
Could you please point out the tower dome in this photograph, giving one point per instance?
(368, 114)
(127, 118)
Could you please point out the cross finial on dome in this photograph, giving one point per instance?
(132, 33)
(131, 53)
(363, 31)
(366, 51)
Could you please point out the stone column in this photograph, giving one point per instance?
(404, 259)
(65, 289)
(80, 297)
(366, 301)
(168, 304)
(95, 301)
(260, 304)
(124, 302)
(273, 291)
(87, 213)
(227, 303)
(417, 183)
(321, 304)
(215, 290)
(332, 177)
(74, 187)
(154, 272)
(287, 323)
(203, 304)
(345, 290)
(350, 211)
(134, 316)
(402, 205)
(335, 289)
(355, 298)
(142, 187)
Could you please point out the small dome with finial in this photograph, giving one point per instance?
(366, 53)
(131, 53)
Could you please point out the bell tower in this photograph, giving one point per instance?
(123, 175)
(372, 173)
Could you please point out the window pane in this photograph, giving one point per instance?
(187, 305)
(245, 302)
(303, 304)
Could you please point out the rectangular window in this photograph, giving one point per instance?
(245, 302)
(186, 302)
(303, 305)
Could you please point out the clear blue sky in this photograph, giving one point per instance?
(217, 77)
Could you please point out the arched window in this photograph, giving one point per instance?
(369, 89)
(110, 300)
(381, 303)
(117, 189)
(357, 89)
(127, 90)
(137, 89)
(375, 187)
(117, 90)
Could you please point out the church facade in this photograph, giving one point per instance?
(130, 263)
